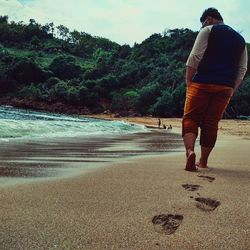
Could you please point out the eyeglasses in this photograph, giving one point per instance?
(203, 24)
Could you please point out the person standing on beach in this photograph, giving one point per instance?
(159, 123)
(214, 70)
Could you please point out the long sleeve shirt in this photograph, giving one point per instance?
(204, 47)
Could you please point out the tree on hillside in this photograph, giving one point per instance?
(164, 106)
(4, 19)
(63, 32)
(27, 71)
(240, 102)
(75, 37)
(65, 67)
(147, 97)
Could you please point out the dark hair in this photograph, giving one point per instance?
(211, 12)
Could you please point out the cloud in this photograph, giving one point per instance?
(126, 21)
(9, 6)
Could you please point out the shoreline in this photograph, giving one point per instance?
(238, 127)
(227, 127)
(37, 160)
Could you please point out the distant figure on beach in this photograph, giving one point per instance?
(164, 126)
(170, 126)
(159, 123)
(214, 70)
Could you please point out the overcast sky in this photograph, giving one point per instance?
(127, 21)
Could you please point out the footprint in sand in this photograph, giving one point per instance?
(191, 187)
(206, 177)
(167, 223)
(206, 204)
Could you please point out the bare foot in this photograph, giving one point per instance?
(201, 164)
(190, 164)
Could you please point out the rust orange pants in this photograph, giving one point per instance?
(204, 107)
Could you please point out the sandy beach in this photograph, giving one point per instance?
(226, 127)
(147, 202)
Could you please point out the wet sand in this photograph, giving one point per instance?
(40, 159)
(140, 203)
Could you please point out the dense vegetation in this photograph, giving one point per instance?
(52, 64)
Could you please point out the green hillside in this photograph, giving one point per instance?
(83, 73)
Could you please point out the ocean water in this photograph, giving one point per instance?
(21, 123)
(40, 146)
(243, 117)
